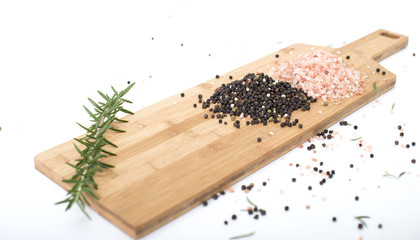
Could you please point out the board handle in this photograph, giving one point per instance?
(377, 45)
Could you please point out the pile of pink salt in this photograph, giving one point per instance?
(320, 74)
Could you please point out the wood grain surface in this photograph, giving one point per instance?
(171, 159)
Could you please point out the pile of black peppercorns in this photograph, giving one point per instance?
(259, 97)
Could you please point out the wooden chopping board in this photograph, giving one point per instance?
(171, 159)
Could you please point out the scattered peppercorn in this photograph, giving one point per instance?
(379, 226)
(264, 183)
(250, 212)
(300, 125)
(217, 76)
(230, 77)
(413, 161)
(286, 208)
(396, 142)
(220, 121)
(195, 105)
(356, 198)
(277, 56)
(182, 94)
(293, 179)
(399, 127)
(413, 144)
(402, 134)
(205, 203)
(226, 222)
(259, 139)
(407, 145)
(371, 155)
(378, 69)
(383, 72)
(360, 226)
(206, 116)
(347, 57)
(256, 217)
(355, 127)
(334, 219)
(310, 188)
(321, 163)
(233, 217)
(215, 196)
(243, 187)
(351, 165)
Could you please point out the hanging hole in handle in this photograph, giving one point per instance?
(390, 35)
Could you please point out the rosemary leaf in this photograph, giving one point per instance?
(82, 181)
(243, 236)
(355, 139)
(375, 87)
(360, 218)
(393, 105)
(401, 174)
(251, 202)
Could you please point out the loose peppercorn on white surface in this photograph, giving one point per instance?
(55, 54)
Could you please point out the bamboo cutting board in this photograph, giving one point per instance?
(171, 159)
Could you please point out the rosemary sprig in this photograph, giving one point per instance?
(94, 142)
(355, 139)
(375, 87)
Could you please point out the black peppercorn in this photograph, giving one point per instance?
(226, 222)
(360, 226)
(243, 187)
(351, 165)
(264, 183)
(256, 217)
(310, 188)
(378, 69)
(413, 161)
(300, 125)
(195, 105)
(413, 144)
(258, 139)
(407, 145)
(383, 72)
(182, 94)
(293, 179)
(205, 203)
(347, 57)
(371, 155)
(215, 196)
(379, 226)
(286, 208)
(220, 121)
(355, 127)
(217, 76)
(233, 217)
(399, 127)
(396, 142)
(277, 56)
(230, 77)
(250, 212)
(402, 134)
(356, 198)
(334, 219)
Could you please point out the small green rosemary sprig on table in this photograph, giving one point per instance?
(94, 142)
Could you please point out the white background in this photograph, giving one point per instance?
(55, 54)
